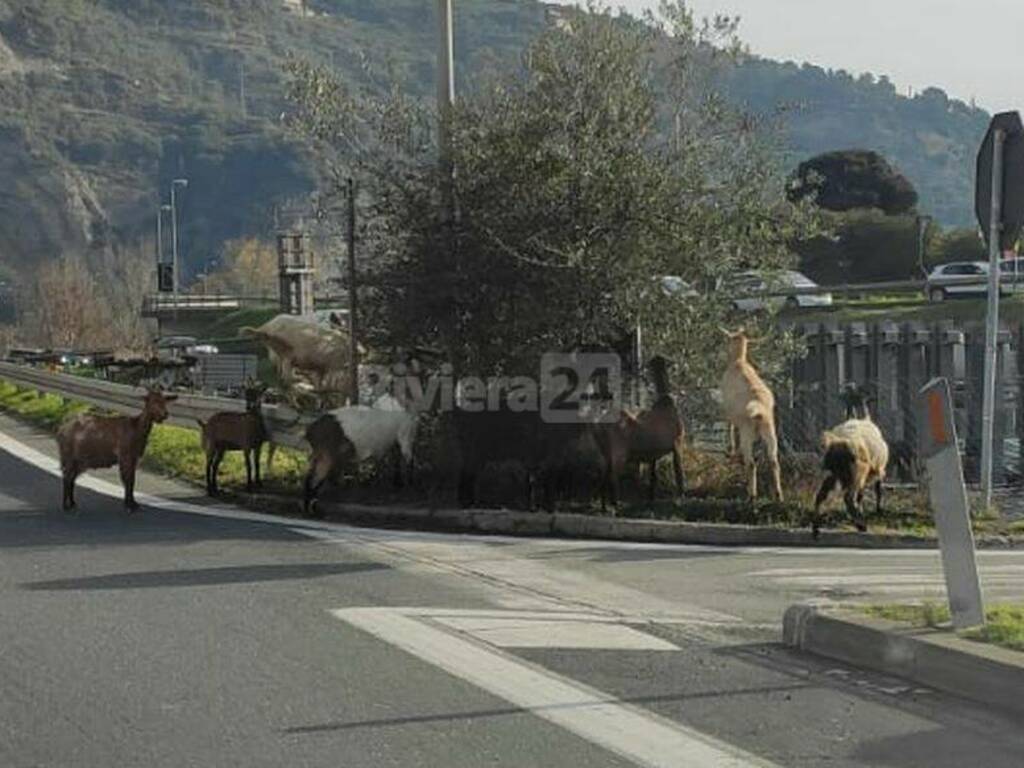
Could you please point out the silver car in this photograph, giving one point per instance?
(787, 289)
(958, 278)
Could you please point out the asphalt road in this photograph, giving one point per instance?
(191, 635)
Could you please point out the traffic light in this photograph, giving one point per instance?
(165, 278)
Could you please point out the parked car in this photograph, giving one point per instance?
(755, 290)
(958, 278)
(1011, 271)
(673, 285)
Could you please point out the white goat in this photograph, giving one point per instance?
(749, 407)
(355, 433)
(855, 454)
(301, 344)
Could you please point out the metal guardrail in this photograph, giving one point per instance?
(200, 302)
(285, 425)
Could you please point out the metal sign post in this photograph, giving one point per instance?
(999, 204)
(988, 405)
(949, 504)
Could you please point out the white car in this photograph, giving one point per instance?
(958, 278)
(754, 290)
(673, 285)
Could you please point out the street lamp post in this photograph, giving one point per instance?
(174, 235)
(160, 232)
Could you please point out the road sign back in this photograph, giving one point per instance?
(1012, 217)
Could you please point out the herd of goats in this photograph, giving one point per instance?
(855, 453)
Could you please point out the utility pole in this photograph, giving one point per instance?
(992, 325)
(159, 235)
(353, 295)
(174, 236)
(445, 85)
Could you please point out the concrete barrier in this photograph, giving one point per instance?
(983, 673)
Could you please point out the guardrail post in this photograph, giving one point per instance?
(886, 380)
(974, 374)
(799, 424)
(858, 353)
(914, 375)
(834, 359)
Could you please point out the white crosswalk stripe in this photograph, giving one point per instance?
(903, 581)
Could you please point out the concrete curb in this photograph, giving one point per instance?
(983, 673)
(575, 526)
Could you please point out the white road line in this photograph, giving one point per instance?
(866, 570)
(638, 735)
(542, 632)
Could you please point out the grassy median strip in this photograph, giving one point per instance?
(172, 451)
(716, 486)
(1005, 626)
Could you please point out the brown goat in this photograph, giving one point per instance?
(644, 437)
(88, 441)
(233, 431)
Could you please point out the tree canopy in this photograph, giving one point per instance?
(608, 161)
(850, 179)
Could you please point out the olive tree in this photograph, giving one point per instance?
(606, 161)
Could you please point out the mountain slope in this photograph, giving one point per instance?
(931, 138)
(104, 102)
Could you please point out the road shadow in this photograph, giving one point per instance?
(392, 722)
(34, 519)
(199, 577)
(626, 554)
(953, 727)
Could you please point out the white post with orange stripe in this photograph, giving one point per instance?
(948, 495)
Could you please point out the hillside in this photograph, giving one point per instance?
(931, 138)
(103, 102)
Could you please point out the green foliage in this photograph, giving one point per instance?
(958, 245)
(570, 200)
(850, 179)
(862, 246)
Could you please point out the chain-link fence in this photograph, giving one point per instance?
(884, 366)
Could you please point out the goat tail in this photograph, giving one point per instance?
(758, 412)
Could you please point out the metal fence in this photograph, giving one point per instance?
(285, 425)
(891, 362)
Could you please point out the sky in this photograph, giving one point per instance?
(972, 50)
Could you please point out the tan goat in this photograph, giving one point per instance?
(856, 454)
(88, 441)
(749, 407)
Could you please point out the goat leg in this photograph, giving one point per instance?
(256, 464)
(70, 474)
(210, 489)
(853, 509)
(827, 485)
(878, 497)
(128, 479)
(399, 479)
(467, 487)
(247, 454)
(310, 488)
(218, 457)
(677, 466)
